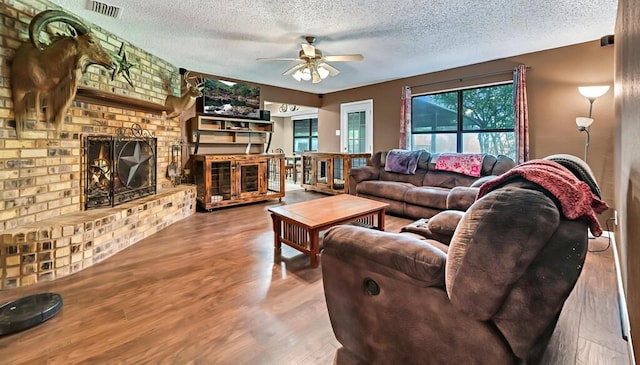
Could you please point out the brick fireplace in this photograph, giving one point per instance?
(119, 168)
(46, 227)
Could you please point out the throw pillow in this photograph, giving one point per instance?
(402, 161)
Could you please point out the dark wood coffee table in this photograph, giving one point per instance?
(298, 225)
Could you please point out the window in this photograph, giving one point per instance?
(305, 135)
(479, 120)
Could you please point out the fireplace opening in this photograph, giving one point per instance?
(119, 168)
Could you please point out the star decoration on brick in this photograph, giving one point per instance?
(123, 66)
(131, 163)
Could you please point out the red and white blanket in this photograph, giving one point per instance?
(462, 163)
(575, 196)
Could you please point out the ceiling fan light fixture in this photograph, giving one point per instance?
(312, 64)
(323, 72)
(306, 74)
(297, 75)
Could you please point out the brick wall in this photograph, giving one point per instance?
(44, 232)
(41, 175)
(60, 246)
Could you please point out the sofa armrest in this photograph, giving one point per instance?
(359, 174)
(482, 180)
(403, 255)
(461, 198)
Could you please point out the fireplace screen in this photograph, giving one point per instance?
(119, 168)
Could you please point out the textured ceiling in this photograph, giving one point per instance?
(397, 38)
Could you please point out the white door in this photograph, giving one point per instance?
(356, 127)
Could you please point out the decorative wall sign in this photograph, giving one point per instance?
(123, 66)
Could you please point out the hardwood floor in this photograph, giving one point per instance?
(206, 290)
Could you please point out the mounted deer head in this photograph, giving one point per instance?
(175, 105)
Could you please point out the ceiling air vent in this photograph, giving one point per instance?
(103, 8)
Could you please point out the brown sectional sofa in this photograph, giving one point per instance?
(426, 192)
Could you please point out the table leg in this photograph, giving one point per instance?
(314, 236)
(381, 220)
(277, 234)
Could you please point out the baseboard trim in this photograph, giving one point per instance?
(622, 301)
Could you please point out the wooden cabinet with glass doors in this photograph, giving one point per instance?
(225, 180)
(329, 172)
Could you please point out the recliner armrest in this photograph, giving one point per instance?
(405, 255)
(461, 198)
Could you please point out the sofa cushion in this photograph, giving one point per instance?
(476, 288)
(427, 196)
(502, 165)
(446, 179)
(415, 179)
(387, 189)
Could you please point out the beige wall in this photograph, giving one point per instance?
(627, 138)
(553, 98)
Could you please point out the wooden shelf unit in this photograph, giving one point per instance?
(208, 129)
(329, 172)
(225, 180)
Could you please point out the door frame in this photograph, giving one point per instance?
(357, 106)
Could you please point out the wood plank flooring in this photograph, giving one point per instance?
(206, 290)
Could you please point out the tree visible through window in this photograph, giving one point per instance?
(479, 120)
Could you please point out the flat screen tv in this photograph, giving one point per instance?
(230, 99)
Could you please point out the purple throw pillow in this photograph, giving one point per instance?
(402, 161)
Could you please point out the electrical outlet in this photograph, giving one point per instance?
(615, 217)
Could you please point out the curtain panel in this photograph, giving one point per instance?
(405, 119)
(521, 113)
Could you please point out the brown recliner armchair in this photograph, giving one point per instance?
(493, 296)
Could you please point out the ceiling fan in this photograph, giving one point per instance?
(312, 64)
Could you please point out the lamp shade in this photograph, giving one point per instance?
(323, 72)
(297, 75)
(306, 74)
(583, 122)
(593, 92)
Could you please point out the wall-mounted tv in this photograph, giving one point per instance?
(230, 99)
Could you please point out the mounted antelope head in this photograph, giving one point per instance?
(40, 71)
(175, 105)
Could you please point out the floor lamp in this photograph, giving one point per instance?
(584, 123)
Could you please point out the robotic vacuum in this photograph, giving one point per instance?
(28, 312)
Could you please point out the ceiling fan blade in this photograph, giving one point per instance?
(277, 59)
(309, 50)
(332, 70)
(344, 58)
(293, 69)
